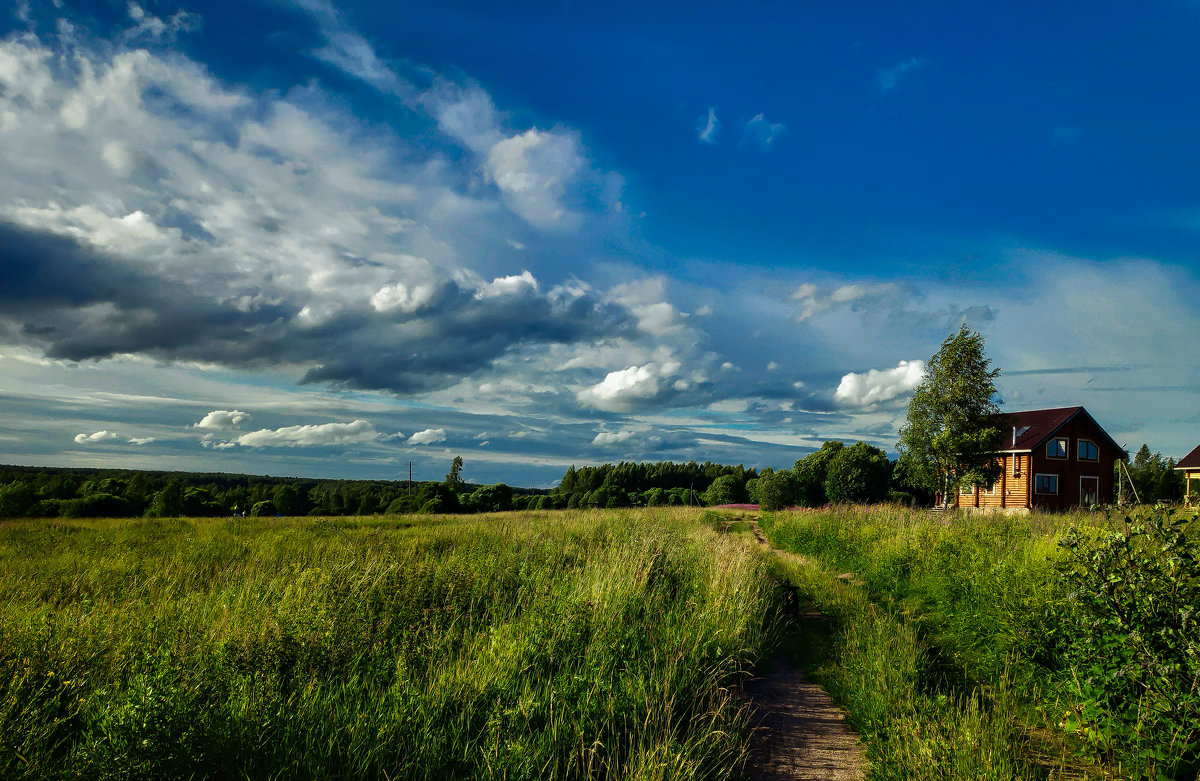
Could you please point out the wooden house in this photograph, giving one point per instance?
(1190, 466)
(1052, 459)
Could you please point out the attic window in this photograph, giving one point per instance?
(1056, 448)
(1088, 451)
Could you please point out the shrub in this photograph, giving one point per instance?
(1133, 642)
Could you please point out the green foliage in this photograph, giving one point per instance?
(15, 500)
(491, 499)
(598, 646)
(265, 508)
(811, 472)
(97, 506)
(951, 433)
(635, 479)
(168, 503)
(859, 473)
(1133, 643)
(726, 489)
(1154, 477)
(776, 490)
(454, 480)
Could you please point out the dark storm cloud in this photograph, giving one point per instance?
(78, 303)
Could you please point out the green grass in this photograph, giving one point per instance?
(535, 645)
(949, 657)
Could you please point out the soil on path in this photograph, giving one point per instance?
(803, 733)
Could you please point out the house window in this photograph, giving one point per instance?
(1045, 484)
(1016, 466)
(1056, 448)
(1088, 451)
(966, 489)
(990, 490)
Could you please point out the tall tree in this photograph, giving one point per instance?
(953, 427)
(454, 480)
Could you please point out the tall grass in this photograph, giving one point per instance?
(953, 650)
(563, 645)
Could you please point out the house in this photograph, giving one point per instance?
(1053, 459)
(1190, 466)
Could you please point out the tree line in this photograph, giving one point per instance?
(49, 492)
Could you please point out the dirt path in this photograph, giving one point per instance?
(803, 734)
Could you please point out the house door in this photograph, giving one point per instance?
(1089, 491)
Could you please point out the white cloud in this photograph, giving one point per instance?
(323, 434)
(141, 440)
(772, 366)
(532, 171)
(429, 436)
(861, 390)
(220, 419)
(622, 390)
(99, 436)
(513, 285)
(613, 437)
(763, 132)
(708, 126)
(888, 78)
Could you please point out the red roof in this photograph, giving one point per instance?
(1191, 460)
(1035, 426)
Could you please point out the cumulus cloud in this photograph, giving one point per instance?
(323, 434)
(220, 419)
(708, 126)
(626, 389)
(141, 440)
(613, 437)
(429, 436)
(888, 78)
(197, 221)
(99, 436)
(762, 132)
(875, 386)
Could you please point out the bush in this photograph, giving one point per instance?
(97, 506)
(726, 489)
(1133, 642)
(262, 509)
(15, 500)
(859, 474)
(776, 490)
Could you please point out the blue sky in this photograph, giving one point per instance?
(328, 239)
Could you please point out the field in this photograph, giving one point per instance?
(593, 644)
(541, 645)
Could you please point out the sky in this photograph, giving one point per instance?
(330, 239)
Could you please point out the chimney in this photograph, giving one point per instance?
(1014, 437)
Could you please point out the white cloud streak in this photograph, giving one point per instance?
(320, 435)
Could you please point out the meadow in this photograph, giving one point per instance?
(1041, 646)
(594, 643)
(602, 644)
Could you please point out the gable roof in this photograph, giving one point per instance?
(1035, 426)
(1191, 460)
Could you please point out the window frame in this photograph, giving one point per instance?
(1095, 448)
(1066, 451)
(1037, 483)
